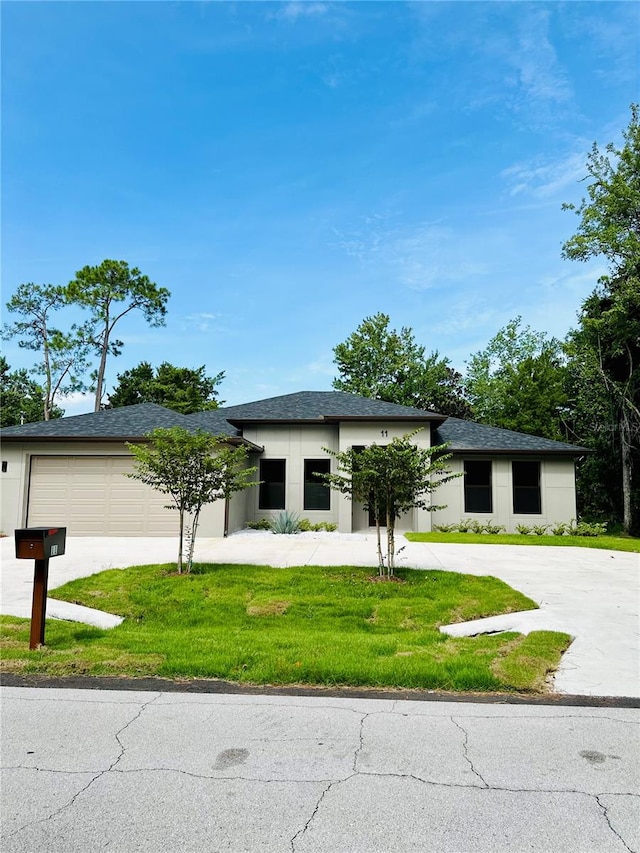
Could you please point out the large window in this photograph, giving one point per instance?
(316, 491)
(477, 486)
(526, 488)
(272, 475)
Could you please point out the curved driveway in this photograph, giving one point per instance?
(591, 594)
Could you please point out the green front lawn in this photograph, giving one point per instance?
(305, 625)
(605, 542)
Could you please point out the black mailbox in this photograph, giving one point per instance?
(40, 543)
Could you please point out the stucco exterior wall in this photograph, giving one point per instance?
(358, 433)
(557, 488)
(293, 444)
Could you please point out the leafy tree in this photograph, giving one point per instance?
(390, 480)
(518, 382)
(178, 388)
(607, 343)
(610, 216)
(64, 355)
(193, 469)
(384, 364)
(605, 370)
(20, 397)
(110, 291)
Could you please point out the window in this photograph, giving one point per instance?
(272, 473)
(526, 488)
(477, 486)
(316, 492)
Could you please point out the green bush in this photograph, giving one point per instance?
(492, 528)
(559, 528)
(524, 529)
(466, 525)
(262, 524)
(584, 528)
(445, 528)
(540, 529)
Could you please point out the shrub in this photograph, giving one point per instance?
(329, 526)
(492, 528)
(304, 525)
(445, 528)
(285, 522)
(524, 529)
(584, 528)
(466, 525)
(559, 528)
(540, 529)
(262, 524)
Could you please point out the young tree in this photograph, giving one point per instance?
(518, 382)
(390, 480)
(193, 469)
(20, 397)
(110, 291)
(64, 355)
(381, 363)
(179, 388)
(608, 340)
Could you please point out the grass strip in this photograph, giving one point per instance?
(606, 542)
(300, 625)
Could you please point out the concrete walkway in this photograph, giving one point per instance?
(129, 771)
(592, 595)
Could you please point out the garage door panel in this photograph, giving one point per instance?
(93, 496)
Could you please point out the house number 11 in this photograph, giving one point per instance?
(384, 433)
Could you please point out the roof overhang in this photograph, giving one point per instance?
(237, 440)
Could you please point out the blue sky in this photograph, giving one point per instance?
(287, 169)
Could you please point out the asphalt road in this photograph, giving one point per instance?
(91, 770)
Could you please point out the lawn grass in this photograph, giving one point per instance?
(605, 542)
(304, 625)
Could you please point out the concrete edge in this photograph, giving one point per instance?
(213, 686)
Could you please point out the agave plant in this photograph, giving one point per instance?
(285, 522)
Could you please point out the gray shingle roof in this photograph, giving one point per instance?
(125, 422)
(465, 435)
(322, 405)
(131, 422)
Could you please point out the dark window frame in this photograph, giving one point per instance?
(312, 487)
(526, 495)
(270, 496)
(473, 491)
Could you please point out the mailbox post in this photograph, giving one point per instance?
(39, 544)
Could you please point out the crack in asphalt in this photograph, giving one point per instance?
(301, 832)
(69, 804)
(356, 754)
(465, 752)
(605, 812)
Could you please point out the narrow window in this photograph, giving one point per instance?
(272, 473)
(477, 486)
(316, 491)
(526, 488)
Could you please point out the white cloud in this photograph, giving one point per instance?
(301, 9)
(546, 179)
(201, 321)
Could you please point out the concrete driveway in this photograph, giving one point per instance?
(592, 595)
(130, 771)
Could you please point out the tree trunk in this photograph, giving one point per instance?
(379, 541)
(391, 544)
(181, 535)
(192, 540)
(625, 442)
(101, 372)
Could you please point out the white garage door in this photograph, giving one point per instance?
(91, 496)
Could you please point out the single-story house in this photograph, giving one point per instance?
(72, 471)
